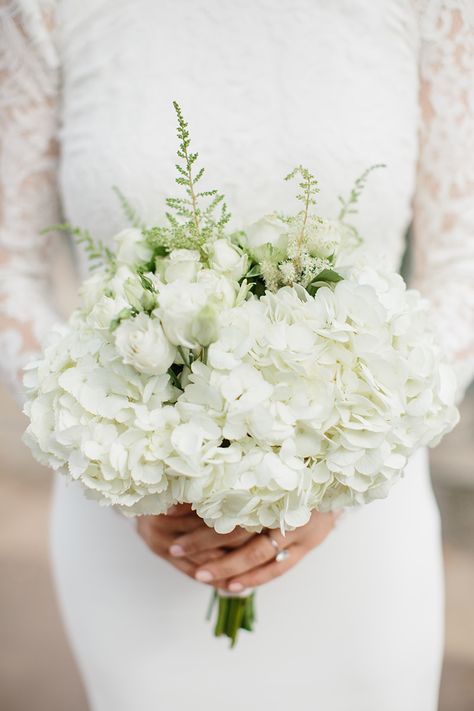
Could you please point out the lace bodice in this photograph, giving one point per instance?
(265, 85)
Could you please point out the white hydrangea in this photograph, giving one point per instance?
(99, 420)
(335, 391)
(301, 403)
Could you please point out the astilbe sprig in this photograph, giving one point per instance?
(129, 211)
(302, 264)
(349, 204)
(192, 223)
(298, 265)
(98, 253)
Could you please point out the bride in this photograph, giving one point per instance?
(352, 619)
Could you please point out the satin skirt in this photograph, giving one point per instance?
(357, 625)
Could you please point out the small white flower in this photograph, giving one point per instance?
(324, 237)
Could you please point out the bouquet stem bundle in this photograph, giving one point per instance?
(233, 614)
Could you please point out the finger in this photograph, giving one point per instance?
(185, 566)
(256, 552)
(203, 539)
(180, 510)
(176, 525)
(156, 546)
(267, 572)
(205, 556)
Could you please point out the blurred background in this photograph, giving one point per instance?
(37, 672)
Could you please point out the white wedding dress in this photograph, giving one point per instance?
(87, 87)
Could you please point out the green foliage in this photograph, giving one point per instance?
(308, 186)
(327, 276)
(122, 316)
(348, 204)
(129, 212)
(297, 245)
(98, 253)
(192, 220)
(306, 260)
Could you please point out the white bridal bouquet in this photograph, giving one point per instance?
(257, 375)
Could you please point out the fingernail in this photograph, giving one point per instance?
(204, 576)
(177, 551)
(236, 587)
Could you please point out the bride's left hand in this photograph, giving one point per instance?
(253, 562)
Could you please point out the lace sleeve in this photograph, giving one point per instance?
(444, 200)
(28, 194)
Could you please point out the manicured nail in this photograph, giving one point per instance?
(204, 576)
(236, 587)
(177, 551)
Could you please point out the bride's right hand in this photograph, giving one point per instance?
(159, 533)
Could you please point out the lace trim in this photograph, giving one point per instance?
(443, 208)
(28, 194)
(443, 205)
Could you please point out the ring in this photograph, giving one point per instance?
(282, 553)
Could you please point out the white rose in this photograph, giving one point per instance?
(142, 343)
(269, 230)
(205, 327)
(189, 310)
(219, 288)
(131, 247)
(182, 264)
(92, 289)
(228, 260)
(105, 310)
(178, 305)
(126, 284)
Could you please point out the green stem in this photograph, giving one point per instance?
(174, 379)
(235, 619)
(233, 614)
(212, 603)
(222, 611)
(184, 356)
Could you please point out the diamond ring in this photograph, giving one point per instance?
(281, 553)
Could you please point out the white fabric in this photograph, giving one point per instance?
(265, 84)
(356, 626)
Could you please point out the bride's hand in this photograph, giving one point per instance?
(181, 523)
(159, 532)
(253, 562)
